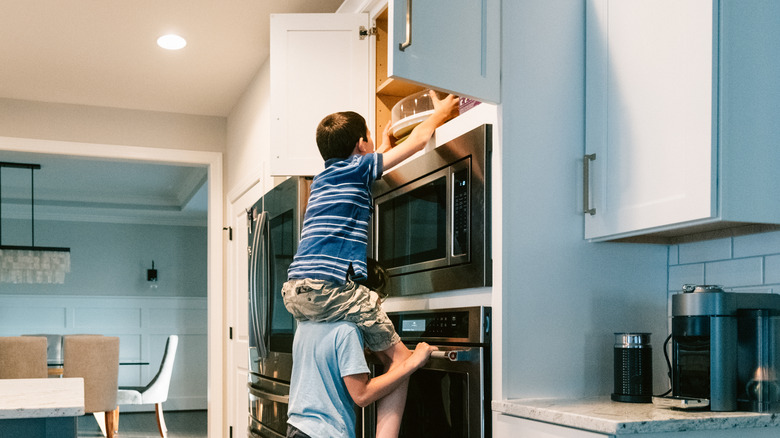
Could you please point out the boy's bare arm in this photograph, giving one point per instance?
(443, 110)
(365, 390)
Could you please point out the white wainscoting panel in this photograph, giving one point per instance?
(142, 324)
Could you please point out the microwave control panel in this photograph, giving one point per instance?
(460, 210)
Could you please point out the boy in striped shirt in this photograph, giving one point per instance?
(324, 278)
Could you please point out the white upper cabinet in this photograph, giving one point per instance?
(682, 104)
(319, 65)
(452, 45)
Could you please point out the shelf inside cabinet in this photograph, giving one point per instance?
(397, 88)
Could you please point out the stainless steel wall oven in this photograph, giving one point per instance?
(450, 396)
(431, 222)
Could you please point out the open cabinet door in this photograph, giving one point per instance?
(319, 65)
(451, 45)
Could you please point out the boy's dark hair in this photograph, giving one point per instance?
(377, 277)
(338, 133)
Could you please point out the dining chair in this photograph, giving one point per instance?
(53, 353)
(23, 357)
(156, 392)
(95, 358)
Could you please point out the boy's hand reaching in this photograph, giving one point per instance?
(447, 108)
(421, 354)
(443, 110)
(388, 141)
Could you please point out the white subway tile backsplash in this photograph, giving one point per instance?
(685, 274)
(674, 255)
(705, 251)
(772, 269)
(757, 244)
(736, 272)
(742, 263)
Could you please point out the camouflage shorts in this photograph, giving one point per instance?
(324, 301)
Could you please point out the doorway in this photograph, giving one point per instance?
(213, 163)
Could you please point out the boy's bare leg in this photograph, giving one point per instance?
(390, 408)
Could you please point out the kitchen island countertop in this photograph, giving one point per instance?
(41, 398)
(600, 414)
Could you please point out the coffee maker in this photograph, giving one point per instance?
(726, 348)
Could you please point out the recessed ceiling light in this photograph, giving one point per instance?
(171, 42)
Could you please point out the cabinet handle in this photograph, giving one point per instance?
(586, 184)
(408, 41)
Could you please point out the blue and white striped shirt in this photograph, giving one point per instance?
(335, 226)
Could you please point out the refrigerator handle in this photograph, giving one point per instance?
(265, 291)
(258, 242)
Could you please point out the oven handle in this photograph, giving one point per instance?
(453, 355)
(265, 395)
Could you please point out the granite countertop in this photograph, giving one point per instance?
(38, 398)
(606, 416)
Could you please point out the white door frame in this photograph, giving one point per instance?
(213, 161)
(236, 302)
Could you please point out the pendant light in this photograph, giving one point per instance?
(30, 264)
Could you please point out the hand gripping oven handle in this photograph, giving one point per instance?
(452, 355)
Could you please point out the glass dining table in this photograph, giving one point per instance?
(56, 368)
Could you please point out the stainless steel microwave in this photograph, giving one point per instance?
(431, 223)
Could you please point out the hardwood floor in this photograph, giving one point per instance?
(181, 424)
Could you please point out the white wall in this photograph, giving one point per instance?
(248, 135)
(89, 124)
(563, 297)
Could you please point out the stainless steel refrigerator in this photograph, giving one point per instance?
(274, 224)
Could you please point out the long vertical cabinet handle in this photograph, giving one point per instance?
(586, 184)
(402, 46)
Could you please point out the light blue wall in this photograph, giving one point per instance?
(563, 297)
(106, 292)
(110, 259)
(743, 263)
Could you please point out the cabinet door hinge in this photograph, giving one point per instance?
(230, 232)
(231, 332)
(366, 32)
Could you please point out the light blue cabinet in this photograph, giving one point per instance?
(452, 45)
(682, 104)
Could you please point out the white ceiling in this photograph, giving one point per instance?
(104, 53)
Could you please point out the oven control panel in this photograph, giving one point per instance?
(469, 325)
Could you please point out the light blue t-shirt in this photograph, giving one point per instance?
(323, 353)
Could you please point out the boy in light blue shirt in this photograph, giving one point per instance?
(324, 278)
(330, 375)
